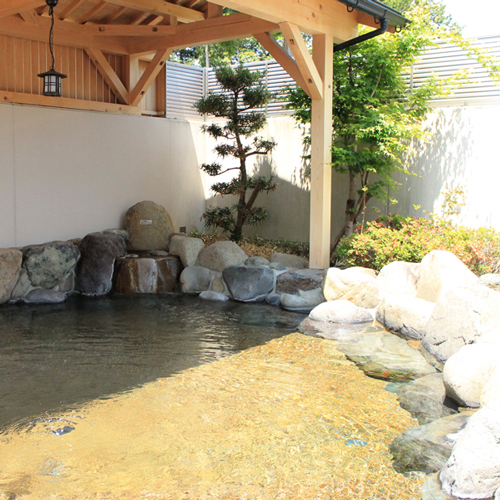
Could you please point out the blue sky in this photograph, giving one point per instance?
(478, 17)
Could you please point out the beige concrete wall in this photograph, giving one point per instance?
(66, 173)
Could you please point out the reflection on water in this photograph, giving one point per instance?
(55, 356)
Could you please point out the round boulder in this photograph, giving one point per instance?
(340, 311)
(220, 255)
(338, 282)
(186, 248)
(249, 284)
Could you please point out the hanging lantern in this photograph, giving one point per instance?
(52, 79)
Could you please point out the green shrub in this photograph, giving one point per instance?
(409, 239)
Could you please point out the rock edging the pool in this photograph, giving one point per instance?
(445, 323)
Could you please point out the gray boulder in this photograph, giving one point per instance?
(398, 278)
(186, 248)
(340, 311)
(220, 255)
(426, 448)
(48, 264)
(424, 398)
(466, 372)
(120, 232)
(385, 356)
(249, 284)
(405, 314)
(441, 271)
(149, 226)
(156, 275)
(10, 267)
(196, 279)
(213, 296)
(273, 299)
(293, 261)
(338, 282)
(473, 469)
(42, 296)
(23, 286)
(303, 301)
(299, 279)
(462, 316)
(96, 266)
(256, 260)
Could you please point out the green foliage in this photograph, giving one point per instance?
(409, 239)
(242, 92)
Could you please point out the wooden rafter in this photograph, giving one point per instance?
(64, 13)
(160, 8)
(114, 15)
(92, 12)
(280, 56)
(11, 7)
(214, 10)
(303, 59)
(30, 16)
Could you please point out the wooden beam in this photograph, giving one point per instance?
(214, 10)
(321, 157)
(161, 8)
(214, 30)
(64, 102)
(127, 30)
(148, 77)
(11, 7)
(303, 59)
(109, 74)
(281, 57)
(312, 16)
(29, 16)
(68, 9)
(92, 12)
(65, 33)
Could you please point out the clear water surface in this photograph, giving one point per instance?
(56, 356)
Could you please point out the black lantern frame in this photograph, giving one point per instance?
(52, 79)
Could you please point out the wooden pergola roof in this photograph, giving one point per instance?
(154, 28)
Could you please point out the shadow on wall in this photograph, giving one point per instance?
(441, 162)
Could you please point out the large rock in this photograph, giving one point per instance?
(490, 395)
(293, 261)
(398, 278)
(48, 264)
(10, 267)
(186, 248)
(424, 398)
(338, 282)
(147, 275)
(462, 316)
(249, 284)
(220, 255)
(385, 356)
(256, 260)
(95, 269)
(441, 271)
(299, 279)
(491, 281)
(197, 279)
(466, 372)
(340, 311)
(149, 226)
(473, 469)
(364, 294)
(303, 301)
(42, 296)
(405, 314)
(426, 448)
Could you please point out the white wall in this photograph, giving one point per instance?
(65, 173)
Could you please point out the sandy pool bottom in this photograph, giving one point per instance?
(292, 419)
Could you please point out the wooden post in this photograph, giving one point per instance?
(321, 169)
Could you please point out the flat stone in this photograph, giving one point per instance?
(426, 448)
(214, 296)
(441, 271)
(156, 275)
(292, 261)
(149, 226)
(42, 296)
(473, 469)
(220, 255)
(186, 248)
(48, 264)
(340, 311)
(337, 282)
(466, 372)
(10, 268)
(332, 331)
(299, 279)
(385, 356)
(303, 301)
(405, 314)
(197, 279)
(95, 269)
(424, 398)
(249, 284)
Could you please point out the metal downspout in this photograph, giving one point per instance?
(367, 36)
